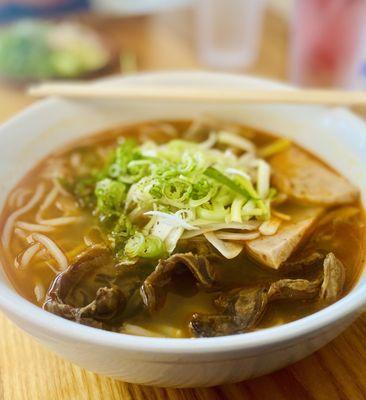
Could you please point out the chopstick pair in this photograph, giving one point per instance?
(197, 94)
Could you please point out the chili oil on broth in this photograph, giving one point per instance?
(345, 238)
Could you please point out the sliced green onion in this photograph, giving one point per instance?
(177, 189)
(272, 193)
(247, 185)
(135, 245)
(144, 247)
(264, 205)
(110, 196)
(195, 203)
(275, 147)
(251, 209)
(215, 214)
(213, 173)
(263, 178)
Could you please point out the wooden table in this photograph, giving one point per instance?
(28, 371)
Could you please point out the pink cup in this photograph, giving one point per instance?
(328, 39)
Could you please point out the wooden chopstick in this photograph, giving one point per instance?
(199, 94)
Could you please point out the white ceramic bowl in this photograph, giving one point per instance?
(335, 135)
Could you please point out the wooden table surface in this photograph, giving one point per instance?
(28, 371)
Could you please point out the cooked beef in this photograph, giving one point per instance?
(95, 291)
(200, 246)
(204, 325)
(246, 303)
(241, 311)
(152, 290)
(334, 278)
(108, 302)
(302, 261)
(80, 292)
(273, 251)
(93, 263)
(294, 289)
(308, 181)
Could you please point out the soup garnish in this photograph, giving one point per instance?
(183, 229)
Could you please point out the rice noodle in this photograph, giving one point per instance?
(48, 201)
(59, 205)
(27, 255)
(13, 196)
(20, 233)
(42, 252)
(210, 141)
(66, 204)
(281, 215)
(130, 329)
(52, 268)
(17, 198)
(194, 127)
(54, 168)
(39, 292)
(34, 227)
(168, 331)
(52, 248)
(236, 141)
(20, 201)
(60, 221)
(60, 188)
(153, 132)
(237, 236)
(227, 249)
(9, 224)
(103, 152)
(75, 160)
(169, 129)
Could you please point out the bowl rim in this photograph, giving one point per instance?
(15, 305)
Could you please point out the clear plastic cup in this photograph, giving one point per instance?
(327, 42)
(229, 32)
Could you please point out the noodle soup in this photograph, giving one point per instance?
(183, 229)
